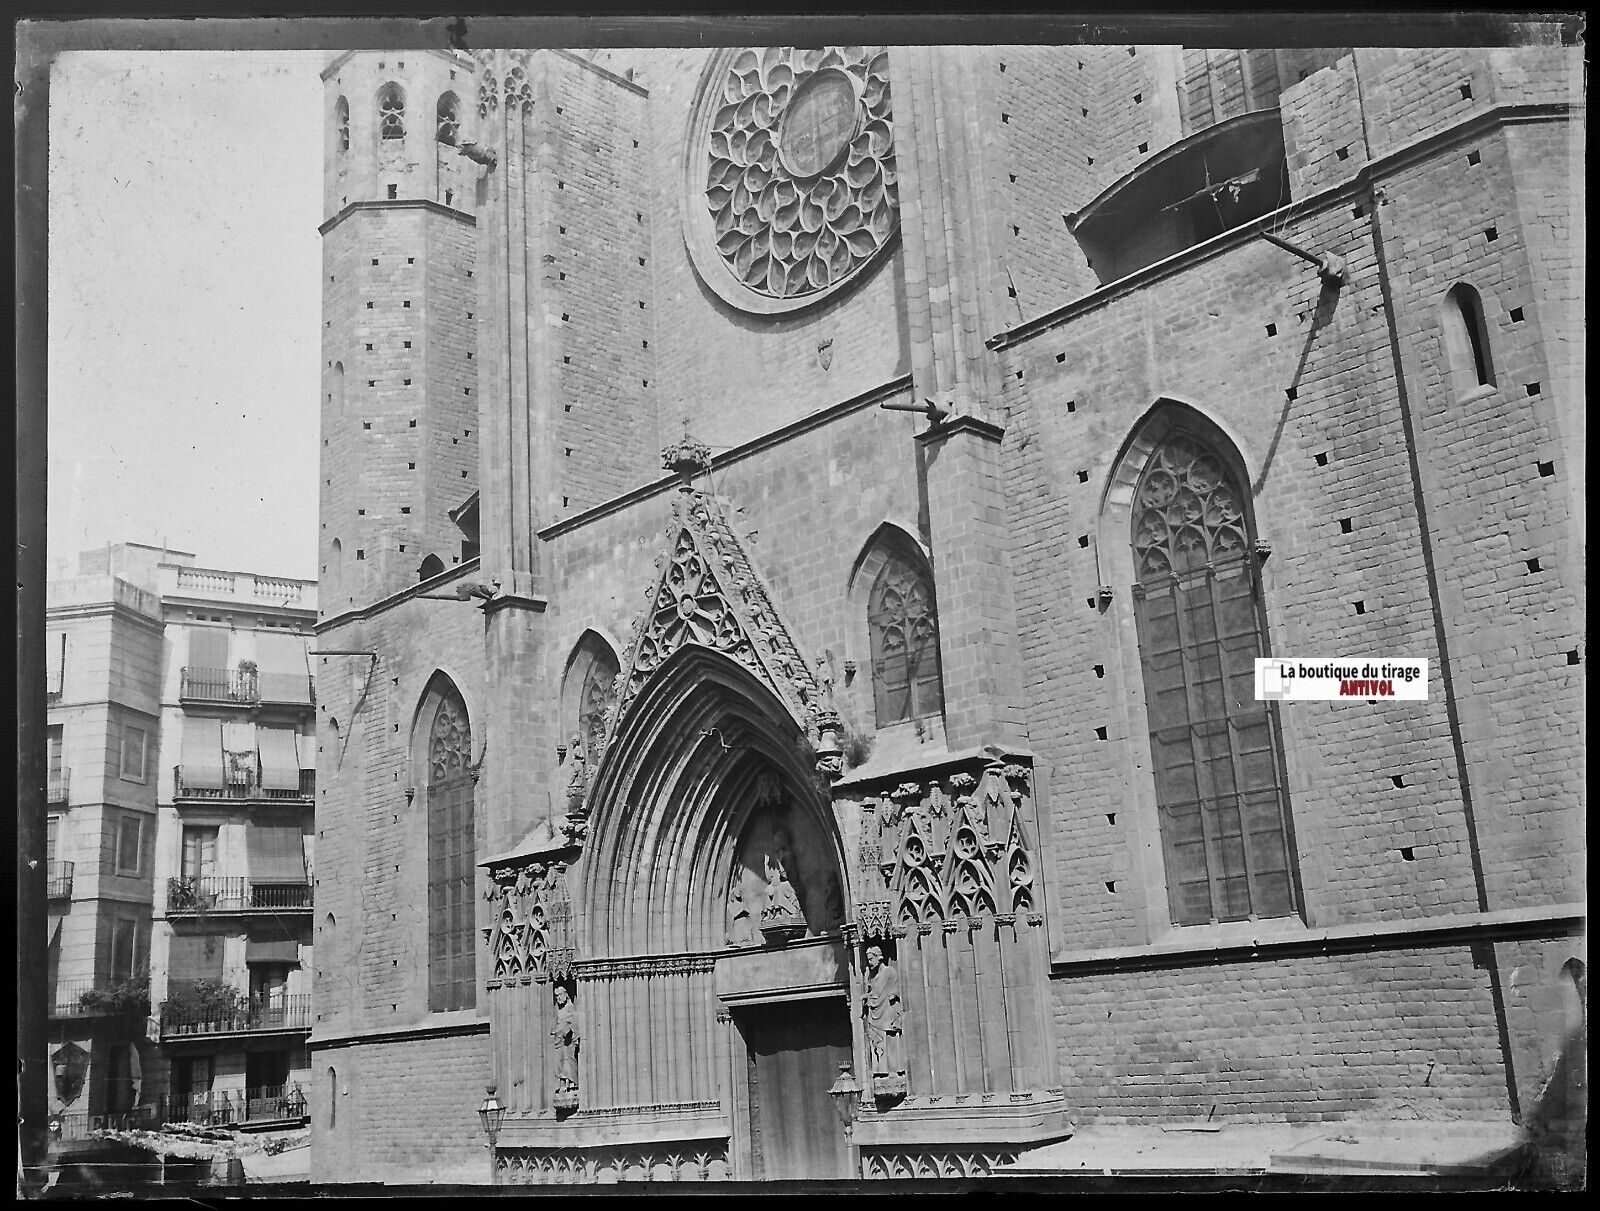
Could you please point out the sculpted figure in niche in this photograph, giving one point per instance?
(577, 768)
(741, 929)
(566, 1039)
(881, 1009)
(782, 903)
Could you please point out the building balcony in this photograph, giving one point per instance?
(254, 1016)
(274, 1104)
(195, 897)
(59, 876)
(99, 998)
(81, 1125)
(244, 792)
(58, 785)
(244, 687)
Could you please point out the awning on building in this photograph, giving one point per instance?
(284, 672)
(272, 952)
(280, 760)
(274, 853)
(194, 958)
(208, 647)
(239, 743)
(202, 753)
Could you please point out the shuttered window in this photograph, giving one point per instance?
(452, 982)
(199, 852)
(1218, 775)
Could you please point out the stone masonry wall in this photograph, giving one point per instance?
(1405, 1034)
(607, 429)
(405, 1109)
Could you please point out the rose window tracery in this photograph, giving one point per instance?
(1188, 511)
(798, 172)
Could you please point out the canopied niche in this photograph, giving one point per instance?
(784, 882)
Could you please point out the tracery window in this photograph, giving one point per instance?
(448, 118)
(451, 978)
(903, 629)
(1219, 784)
(392, 111)
(341, 120)
(588, 692)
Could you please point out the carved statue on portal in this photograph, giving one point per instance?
(577, 770)
(885, 1041)
(782, 903)
(741, 929)
(566, 1038)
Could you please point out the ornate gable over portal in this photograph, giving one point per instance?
(707, 592)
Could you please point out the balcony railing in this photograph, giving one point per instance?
(81, 1125)
(275, 1103)
(245, 790)
(60, 880)
(191, 897)
(244, 686)
(58, 786)
(91, 998)
(255, 1016)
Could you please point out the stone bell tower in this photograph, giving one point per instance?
(399, 393)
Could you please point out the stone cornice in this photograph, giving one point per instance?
(1459, 929)
(450, 212)
(757, 445)
(383, 604)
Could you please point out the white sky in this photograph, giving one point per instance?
(185, 307)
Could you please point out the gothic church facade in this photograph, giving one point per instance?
(797, 526)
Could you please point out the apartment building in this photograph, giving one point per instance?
(182, 786)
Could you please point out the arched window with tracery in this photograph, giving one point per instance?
(452, 982)
(447, 116)
(1466, 339)
(1219, 783)
(392, 111)
(587, 692)
(903, 630)
(341, 122)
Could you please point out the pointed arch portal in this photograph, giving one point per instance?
(710, 980)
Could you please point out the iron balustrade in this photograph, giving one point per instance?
(60, 880)
(251, 1016)
(191, 897)
(69, 997)
(59, 784)
(244, 791)
(274, 1103)
(81, 1125)
(197, 683)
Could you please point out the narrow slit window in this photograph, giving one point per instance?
(1467, 339)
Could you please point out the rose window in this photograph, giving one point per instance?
(794, 170)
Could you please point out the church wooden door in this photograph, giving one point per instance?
(795, 1050)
